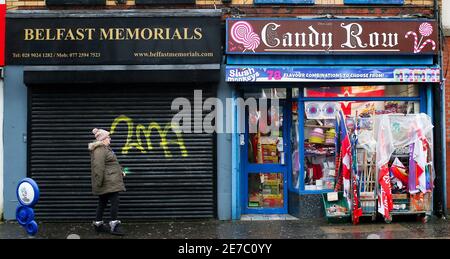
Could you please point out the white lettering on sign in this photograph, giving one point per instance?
(313, 39)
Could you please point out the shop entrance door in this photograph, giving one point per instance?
(266, 160)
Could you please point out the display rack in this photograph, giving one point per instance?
(319, 154)
(383, 180)
(412, 186)
(419, 204)
(367, 184)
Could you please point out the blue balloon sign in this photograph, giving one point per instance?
(27, 192)
(28, 195)
(24, 215)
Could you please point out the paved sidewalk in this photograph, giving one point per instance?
(256, 229)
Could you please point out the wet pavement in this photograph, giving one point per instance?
(215, 229)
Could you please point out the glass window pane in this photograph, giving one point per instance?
(269, 93)
(319, 158)
(319, 134)
(295, 92)
(265, 146)
(295, 140)
(265, 190)
(363, 91)
(370, 108)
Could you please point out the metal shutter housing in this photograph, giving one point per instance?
(166, 181)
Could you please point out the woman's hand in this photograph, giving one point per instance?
(125, 171)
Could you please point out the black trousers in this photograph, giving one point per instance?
(103, 199)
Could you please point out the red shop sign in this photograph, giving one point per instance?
(340, 36)
(2, 32)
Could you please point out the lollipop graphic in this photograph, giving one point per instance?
(425, 30)
(242, 33)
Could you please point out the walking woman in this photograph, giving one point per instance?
(107, 181)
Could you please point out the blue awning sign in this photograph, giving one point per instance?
(327, 74)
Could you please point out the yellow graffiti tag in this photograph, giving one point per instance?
(147, 132)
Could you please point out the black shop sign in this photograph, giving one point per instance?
(113, 41)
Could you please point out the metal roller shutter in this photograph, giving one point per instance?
(170, 178)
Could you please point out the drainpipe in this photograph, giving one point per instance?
(442, 111)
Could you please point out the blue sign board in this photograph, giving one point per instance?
(332, 74)
(27, 192)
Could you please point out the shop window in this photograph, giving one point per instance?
(398, 2)
(295, 92)
(295, 140)
(75, 2)
(320, 135)
(265, 190)
(265, 146)
(363, 91)
(269, 93)
(265, 142)
(283, 1)
(319, 150)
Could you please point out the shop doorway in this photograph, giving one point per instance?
(266, 160)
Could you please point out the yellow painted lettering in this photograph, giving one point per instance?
(147, 132)
(129, 143)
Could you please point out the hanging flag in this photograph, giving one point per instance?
(346, 155)
(356, 210)
(399, 171)
(429, 172)
(338, 157)
(420, 157)
(2, 31)
(412, 178)
(346, 108)
(385, 202)
(346, 91)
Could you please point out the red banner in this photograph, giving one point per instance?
(2, 31)
(385, 202)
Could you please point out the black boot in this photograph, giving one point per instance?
(116, 228)
(100, 227)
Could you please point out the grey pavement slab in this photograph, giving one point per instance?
(256, 229)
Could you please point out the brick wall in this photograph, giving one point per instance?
(24, 4)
